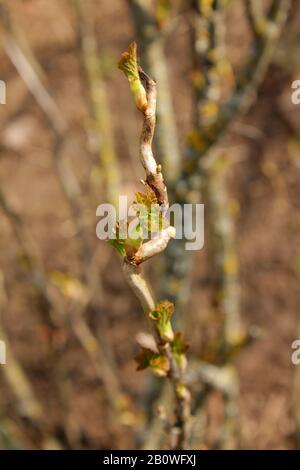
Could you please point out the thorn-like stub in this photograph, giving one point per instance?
(144, 77)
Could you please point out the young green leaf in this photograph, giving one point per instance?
(161, 316)
(148, 211)
(129, 65)
(158, 363)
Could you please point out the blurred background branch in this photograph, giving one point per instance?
(68, 318)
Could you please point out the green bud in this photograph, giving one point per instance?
(129, 65)
(161, 316)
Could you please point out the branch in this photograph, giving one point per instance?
(246, 86)
(58, 315)
(67, 179)
(223, 259)
(176, 285)
(27, 405)
(208, 45)
(224, 379)
(99, 106)
(165, 362)
(207, 35)
(151, 35)
(256, 17)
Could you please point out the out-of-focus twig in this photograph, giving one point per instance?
(256, 17)
(67, 178)
(72, 192)
(224, 379)
(246, 86)
(223, 259)
(212, 119)
(28, 405)
(31, 260)
(59, 316)
(191, 181)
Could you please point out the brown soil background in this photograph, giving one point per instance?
(265, 180)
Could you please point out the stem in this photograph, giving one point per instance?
(99, 106)
(131, 268)
(27, 403)
(247, 83)
(152, 41)
(59, 316)
(67, 179)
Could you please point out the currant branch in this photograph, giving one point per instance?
(168, 359)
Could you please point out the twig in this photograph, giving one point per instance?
(223, 259)
(58, 314)
(207, 35)
(246, 86)
(27, 403)
(67, 178)
(98, 101)
(152, 40)
(72, 192)
(34, 265)
(144, 91)
(256, 18)
(190, 184)
(224, 379)
(208, 46)
(196, 177)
